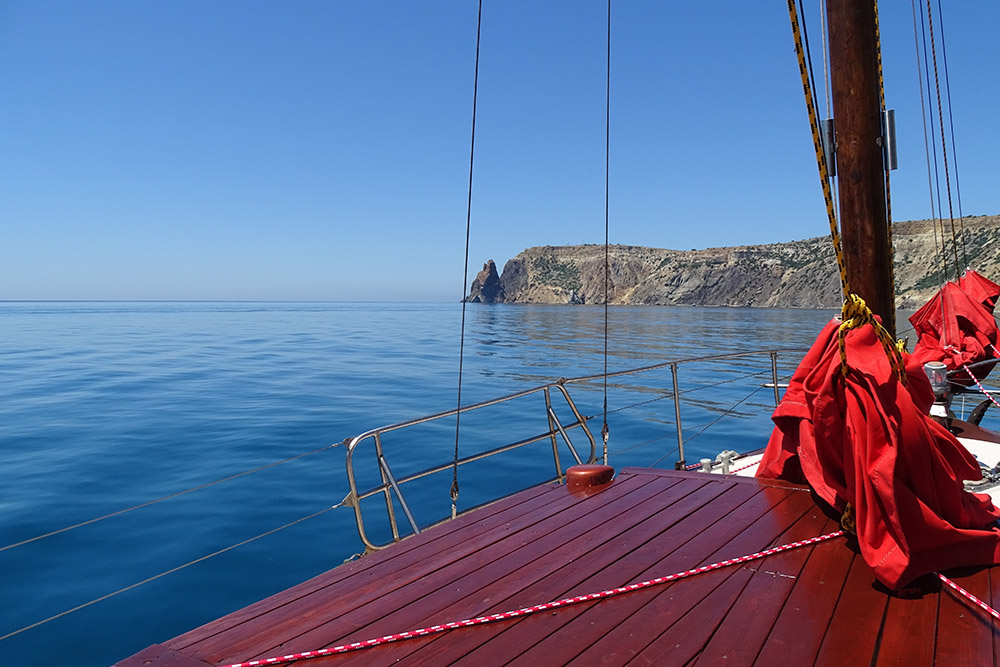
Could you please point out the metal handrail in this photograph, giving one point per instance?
(391, 486)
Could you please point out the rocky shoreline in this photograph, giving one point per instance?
(796, 274)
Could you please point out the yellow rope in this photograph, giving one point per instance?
(856, 313)
(824, 176)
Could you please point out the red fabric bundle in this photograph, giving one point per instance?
(865, 439)
(957, 327)
(981, 289)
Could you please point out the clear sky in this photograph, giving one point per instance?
(319, 149)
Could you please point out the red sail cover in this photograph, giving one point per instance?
(957, 326)
(866, 440)
(981, 289)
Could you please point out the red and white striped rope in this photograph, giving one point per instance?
(970, 597)
(981, 387)
(434, 629)
(749, 465)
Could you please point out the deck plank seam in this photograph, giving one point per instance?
(258, 609)
(713, 556)
(529, 516)
(620, 496)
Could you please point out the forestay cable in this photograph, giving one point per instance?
(465, 273)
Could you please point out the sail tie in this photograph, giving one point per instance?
(856, 313)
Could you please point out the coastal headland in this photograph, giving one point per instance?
(796, 274)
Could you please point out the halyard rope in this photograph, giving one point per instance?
(855, 313)
(525, 611)
(824, 176)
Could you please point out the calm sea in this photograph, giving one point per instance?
(109, 405)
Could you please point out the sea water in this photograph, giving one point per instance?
(108, 405)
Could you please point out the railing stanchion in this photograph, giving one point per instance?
(552, 435)
(677, 415)
(774, 377)
(384, 465)
(380, 458)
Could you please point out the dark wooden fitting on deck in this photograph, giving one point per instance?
(588, 475)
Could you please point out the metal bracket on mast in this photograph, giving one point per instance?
(826, 135)
(888, 140)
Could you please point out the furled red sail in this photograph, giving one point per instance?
(957, 326)
(865, 439)
(983, 290)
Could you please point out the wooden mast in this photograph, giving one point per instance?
(858, 125)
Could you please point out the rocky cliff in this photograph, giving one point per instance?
(797, 274)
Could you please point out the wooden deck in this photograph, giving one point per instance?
(812, 605)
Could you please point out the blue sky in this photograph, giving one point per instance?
(319, 150)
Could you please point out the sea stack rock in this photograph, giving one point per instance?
(486, 287)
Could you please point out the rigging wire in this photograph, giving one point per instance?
(808, 55)
(465, 273)
(886, 170)
(944, 144)
(827, 94)
(685, 392)
(664, 396)
(713, 422)
(163, 574)
(725, 414)
(939, 216)
(939, 247)
(826, 67)
(605, 431)
(951, 127)
(167, 497)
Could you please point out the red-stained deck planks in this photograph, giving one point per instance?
(814, 604)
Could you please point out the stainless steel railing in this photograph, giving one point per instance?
(391, 487)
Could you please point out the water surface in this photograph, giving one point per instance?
(108, 405)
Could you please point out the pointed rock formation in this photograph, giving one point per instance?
(486, 287)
